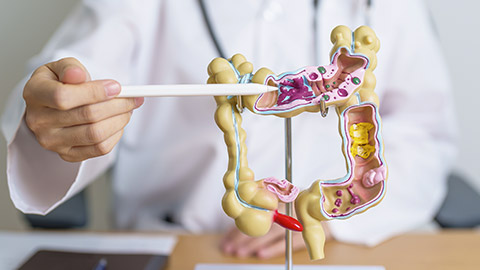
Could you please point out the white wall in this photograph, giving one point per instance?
(25, 26)
(458, 23)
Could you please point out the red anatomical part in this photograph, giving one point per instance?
(287, 222)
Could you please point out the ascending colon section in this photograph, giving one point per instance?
(253, 204)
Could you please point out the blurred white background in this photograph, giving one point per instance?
(25, 26)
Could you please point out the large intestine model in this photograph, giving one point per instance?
(347, 83)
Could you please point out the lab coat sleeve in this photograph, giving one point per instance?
(418, 130)
(102, 37)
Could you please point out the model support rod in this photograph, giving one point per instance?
(288, 176)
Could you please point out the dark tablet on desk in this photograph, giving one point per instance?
(62, 260)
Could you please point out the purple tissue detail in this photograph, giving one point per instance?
(338, 202)
(339, 193)
(348, 208)
(355, 199)
(313, 76)
(298, 90)
(335, 210)
(342, 92)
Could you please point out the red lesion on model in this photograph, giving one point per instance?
(287, 222)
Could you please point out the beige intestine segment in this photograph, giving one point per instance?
(308, 202)
(253, 222)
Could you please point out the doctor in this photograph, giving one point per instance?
(167, 155)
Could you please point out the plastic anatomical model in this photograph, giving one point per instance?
(347, 83)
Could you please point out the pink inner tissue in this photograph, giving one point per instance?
(284, 190)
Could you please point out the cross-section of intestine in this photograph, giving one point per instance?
(307, 86)
(355, 195)
(347, 83)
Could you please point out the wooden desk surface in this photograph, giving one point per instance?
(451, 249)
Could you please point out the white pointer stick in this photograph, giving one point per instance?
(177, 90)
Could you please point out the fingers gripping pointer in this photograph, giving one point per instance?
(72, 115)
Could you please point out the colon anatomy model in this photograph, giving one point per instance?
(348, 84)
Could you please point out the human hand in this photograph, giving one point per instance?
(72, 115)
(236, 243)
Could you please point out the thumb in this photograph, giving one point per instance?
(70, 71)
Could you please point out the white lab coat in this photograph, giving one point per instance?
(172, 157)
